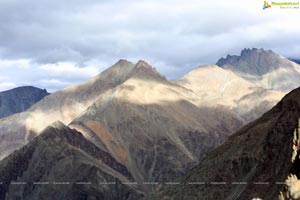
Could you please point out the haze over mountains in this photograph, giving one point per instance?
(155, 129)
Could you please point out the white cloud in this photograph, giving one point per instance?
(7, 85)
(49, 76)
(69, 70)
(173, 35)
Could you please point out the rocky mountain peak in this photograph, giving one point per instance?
(255, 61)
(145, 71)
(119, 67)
(122, 62)
(143, 64)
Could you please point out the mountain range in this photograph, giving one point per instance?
(131, 124)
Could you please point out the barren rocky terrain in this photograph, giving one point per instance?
(130, 123)
(261, 160)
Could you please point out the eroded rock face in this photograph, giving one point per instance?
(73, 167)
(19, 99)
(261, 154)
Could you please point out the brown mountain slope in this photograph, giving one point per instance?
(149, 125)
(67, 104)
(145, 122)
(63, 105)
(253, 163)
(61, 164)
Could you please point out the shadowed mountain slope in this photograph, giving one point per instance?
(253, 163)
(61, 164)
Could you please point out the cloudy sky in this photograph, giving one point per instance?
(52, 44)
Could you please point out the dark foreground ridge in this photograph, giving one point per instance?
(256, 162)
(62, 164)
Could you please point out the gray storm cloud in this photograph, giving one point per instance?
(174, 36)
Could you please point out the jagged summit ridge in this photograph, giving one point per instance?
(255, 61)
(264, 68)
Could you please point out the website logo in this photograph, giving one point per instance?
(266, 5)
(282, 4)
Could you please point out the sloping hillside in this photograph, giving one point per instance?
(261, 160)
